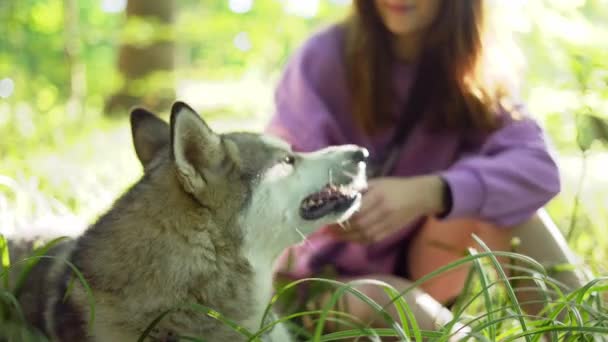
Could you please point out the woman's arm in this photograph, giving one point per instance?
(511, 177)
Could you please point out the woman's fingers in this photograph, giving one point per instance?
(371, 218)
(352, 232)
(371, 209)
(370, 201)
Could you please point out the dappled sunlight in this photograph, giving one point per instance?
(254, 99)
(113, 6)
(7, 86)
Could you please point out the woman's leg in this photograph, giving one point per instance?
(541, 240)
(440, 242)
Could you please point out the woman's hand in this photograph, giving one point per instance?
(390, 204)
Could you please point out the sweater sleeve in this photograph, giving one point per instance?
(302, 116)
(511, 177)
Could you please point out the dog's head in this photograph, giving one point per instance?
(253, 183)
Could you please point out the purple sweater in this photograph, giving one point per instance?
(504, 178)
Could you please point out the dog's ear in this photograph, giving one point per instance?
(150, 134)
(196, 148)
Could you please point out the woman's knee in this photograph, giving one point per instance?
(439, 243)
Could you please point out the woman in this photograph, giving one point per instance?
(411, 80)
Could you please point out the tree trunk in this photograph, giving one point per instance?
(73, 54)
(146, 64)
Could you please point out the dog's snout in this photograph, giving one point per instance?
(360, 155)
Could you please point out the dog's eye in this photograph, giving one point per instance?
(290, 160)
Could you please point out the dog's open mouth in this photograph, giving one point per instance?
(331, 199)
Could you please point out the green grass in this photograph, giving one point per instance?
(488, 307)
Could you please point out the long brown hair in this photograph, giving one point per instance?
(448, 91)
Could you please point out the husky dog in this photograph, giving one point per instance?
(202, 226)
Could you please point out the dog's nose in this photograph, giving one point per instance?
(360, 155)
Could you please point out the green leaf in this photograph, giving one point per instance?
(5, 260)
(599, 127)
(582, 68)
(564, 267)
(591, 128)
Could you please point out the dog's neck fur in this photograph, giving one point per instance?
(212, 259)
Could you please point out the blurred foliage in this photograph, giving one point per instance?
(567, 56)
(213, 41)
(563, 42)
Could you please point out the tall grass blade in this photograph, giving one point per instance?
(349, 288)
(5, 260)
(483, 278)
(32, 261)
(507, 284)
